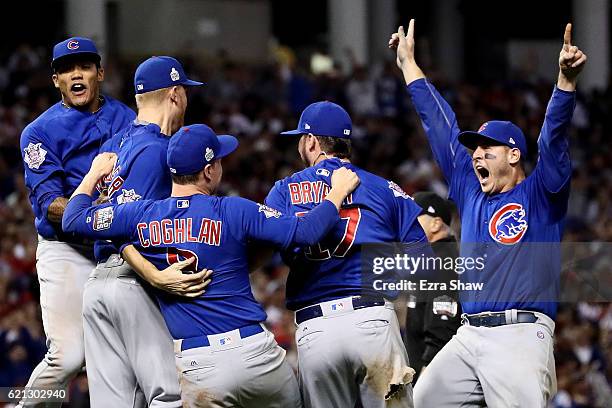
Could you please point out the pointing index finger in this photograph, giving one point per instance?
(411, 29)
(567, 37)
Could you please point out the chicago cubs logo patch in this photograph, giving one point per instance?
(34, 155)
(128, 196)
(508, 224)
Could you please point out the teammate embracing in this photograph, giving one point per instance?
(225, 356)
(502, 356)
(123, 327)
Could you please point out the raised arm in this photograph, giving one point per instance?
(554, 166)
(571, 62)
(437, 117)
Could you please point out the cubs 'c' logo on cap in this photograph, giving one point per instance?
(175, 255)
(508, 224)
(483, 126)
(72, 45)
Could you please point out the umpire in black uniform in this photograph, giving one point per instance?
(433, 317)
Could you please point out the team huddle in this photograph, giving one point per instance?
(144, 270)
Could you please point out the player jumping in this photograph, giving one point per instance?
(57, 149)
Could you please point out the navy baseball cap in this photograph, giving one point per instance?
(434, 205)
(502, 132)
(324, 119)
(160, 72)
(194, 146)
(74, 46)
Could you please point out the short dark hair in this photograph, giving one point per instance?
(186, 178)
(340, 148)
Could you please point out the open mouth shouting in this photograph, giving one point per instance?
(482, 173)
(78, 89)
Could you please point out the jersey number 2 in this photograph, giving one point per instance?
(319, 253)
(174, 255)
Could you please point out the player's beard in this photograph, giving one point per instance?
(302, 152)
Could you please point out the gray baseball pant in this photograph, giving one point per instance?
(350, 355)
(62, 272)
(246, 373)
(505, 366)
(127, 345)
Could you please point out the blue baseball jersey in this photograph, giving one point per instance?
(214, 231)
(140, 173)
(57, 149)
(378, 211)
(517, 232)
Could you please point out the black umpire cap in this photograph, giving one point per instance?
(434, 205)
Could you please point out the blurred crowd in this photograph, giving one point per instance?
(255, 103)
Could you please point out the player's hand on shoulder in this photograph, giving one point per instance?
(173, 280)
(103, 165)
(571, 58)
(345, 180)
(102, 199)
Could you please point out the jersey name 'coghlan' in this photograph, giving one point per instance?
(178, 231)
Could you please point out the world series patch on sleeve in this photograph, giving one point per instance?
(103, 218)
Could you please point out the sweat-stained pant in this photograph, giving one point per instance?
(350, 355)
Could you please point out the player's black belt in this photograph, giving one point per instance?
(202, 341)
(494, 319)
(314, 311)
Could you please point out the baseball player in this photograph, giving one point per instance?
(502, 355)
(123, 327)
(350, 349)
(433, 316)
(226, 358)
(57, 149)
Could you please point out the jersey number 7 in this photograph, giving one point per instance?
(320, 253)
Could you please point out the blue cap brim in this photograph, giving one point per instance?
(189, 82)
(228, 145)
(470, 139)
(75, 56)
(293, 132)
